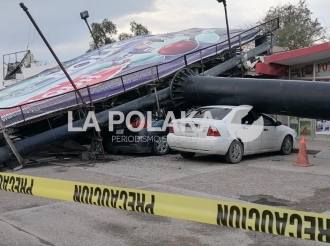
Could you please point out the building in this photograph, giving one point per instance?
(309, 64)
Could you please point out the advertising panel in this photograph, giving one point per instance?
(128, 60)
(322, 127)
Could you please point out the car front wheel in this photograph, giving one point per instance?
(235, 152)
(160, 146)
(287, 146)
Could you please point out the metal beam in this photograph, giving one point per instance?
(60, 133)
(11, 145)
(233, 62)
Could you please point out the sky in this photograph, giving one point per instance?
(69, 37)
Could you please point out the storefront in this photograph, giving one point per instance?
(315, 71)
(309, 64)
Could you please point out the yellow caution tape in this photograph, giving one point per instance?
(272, 220)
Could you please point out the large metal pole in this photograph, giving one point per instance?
(306, 99)
(60, 133)
(225, 7)
(90, 30)
(51, 51)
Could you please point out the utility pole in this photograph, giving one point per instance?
(84, 15)
(225, 7)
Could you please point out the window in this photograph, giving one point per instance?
(248, 119)
(217, 113)
(267, 121)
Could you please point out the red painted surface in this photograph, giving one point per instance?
(276, 70)
(298, 53)
(270, 66)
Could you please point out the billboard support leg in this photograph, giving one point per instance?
(11, 145)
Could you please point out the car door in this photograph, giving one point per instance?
(270, 134)
(252, 146)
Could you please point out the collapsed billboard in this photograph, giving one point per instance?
(113, 69)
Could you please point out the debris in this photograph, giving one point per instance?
(84, 155)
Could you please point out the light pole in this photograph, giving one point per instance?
(25, 9)
(84, 15)
(225, 7)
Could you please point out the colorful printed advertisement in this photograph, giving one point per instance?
(323, 127)
(125, 58)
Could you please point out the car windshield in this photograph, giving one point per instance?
(217, 113)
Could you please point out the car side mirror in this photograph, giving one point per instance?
(278, 123)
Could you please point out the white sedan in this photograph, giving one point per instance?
(220, 134)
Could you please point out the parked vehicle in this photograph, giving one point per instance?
(123, 140)
(215, 138)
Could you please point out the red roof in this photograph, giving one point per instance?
(300, 56)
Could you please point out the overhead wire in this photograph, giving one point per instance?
(34, 39)
(27, 46)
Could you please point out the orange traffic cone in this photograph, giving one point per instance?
(302, 158)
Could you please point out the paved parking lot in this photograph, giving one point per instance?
(263, 179)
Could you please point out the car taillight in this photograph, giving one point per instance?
(213, 132)
(138, 123)
(143, 123)
(170, 129)
(134, 123)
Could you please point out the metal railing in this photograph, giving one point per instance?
(12, 62)
(112, 87)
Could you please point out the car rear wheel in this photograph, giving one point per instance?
(160, 146)
(187, 155)
(287, 146)
(235, 152)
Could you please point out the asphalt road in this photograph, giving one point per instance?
(263, 179)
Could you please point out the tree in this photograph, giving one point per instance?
(139, 29)
(124, 36)
(297, 28)
(103, 33)
(136, 29)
